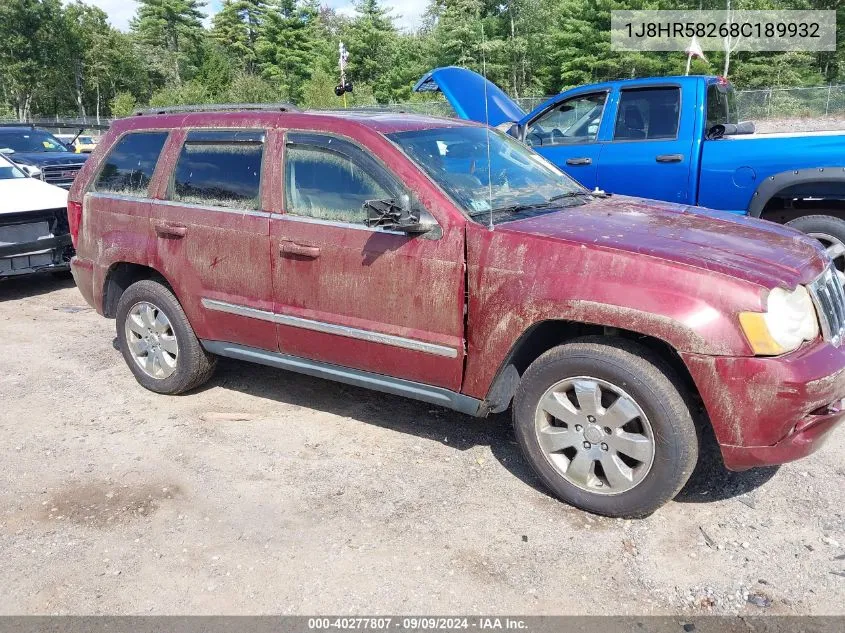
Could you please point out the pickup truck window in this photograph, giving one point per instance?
(330, 179)
(573, 121)
(648, 114)
(721, 105)
(515, 181)
(219, 169)
(129, 167)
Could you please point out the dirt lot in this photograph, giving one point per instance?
(272, 492)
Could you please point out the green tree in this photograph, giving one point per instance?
(30, 31)
(371, 40)
(287, 43)
(123, 104)
(237, 28)
(173, 27)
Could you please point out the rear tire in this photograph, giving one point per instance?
(621, 441)
(828, 230)
(157, 341)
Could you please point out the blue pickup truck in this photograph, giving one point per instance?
(674, 139)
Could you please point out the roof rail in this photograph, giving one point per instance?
(219, 107)
(11, 124)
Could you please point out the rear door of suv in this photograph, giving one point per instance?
(212, 233)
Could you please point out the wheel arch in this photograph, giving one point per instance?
(546, 334)
(121, 275)
(827, 183)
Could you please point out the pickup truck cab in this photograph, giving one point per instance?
(673, 139)
(445, 261)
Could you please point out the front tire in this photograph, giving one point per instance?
(157, 341)
(605, 426)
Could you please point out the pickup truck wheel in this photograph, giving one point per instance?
(157, 341)
(605, 427)
(828, 230)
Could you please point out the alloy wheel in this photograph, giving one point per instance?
(151, 340)
(595, 435)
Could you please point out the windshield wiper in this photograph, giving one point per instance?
(528, 206)
(569, 194)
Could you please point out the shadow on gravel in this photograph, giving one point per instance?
(709, 482)
(426, 421)
(13, 288)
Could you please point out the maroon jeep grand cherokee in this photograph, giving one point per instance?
(445, 262)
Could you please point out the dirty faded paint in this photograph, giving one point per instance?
(658, 269)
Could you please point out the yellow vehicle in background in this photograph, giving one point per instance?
(82, 144)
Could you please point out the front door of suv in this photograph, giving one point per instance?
(212, 234)
(365, 298)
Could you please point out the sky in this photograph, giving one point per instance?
(409, 12)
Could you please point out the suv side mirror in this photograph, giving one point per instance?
(396, 215)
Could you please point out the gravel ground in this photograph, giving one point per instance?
(268, 492)
(807, 124)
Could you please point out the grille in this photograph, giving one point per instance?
(60, 175)
(829, 296)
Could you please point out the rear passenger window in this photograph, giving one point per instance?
(220, 169)
(129, 166)
(647, 114)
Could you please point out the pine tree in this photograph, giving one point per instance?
(285, 48)
(371, 41)
(237, 28)
(173, 28)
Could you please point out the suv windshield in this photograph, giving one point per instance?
(23, 141)
(513, 181)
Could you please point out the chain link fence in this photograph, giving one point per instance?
(779, 103)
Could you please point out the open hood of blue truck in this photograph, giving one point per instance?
(464, 90)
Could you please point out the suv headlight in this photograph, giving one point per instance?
(789, 320)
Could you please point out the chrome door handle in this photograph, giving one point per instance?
(584, 160)
(669, 158)
(170, 231)
(302, 250)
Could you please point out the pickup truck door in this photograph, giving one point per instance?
(364, 298)
(566, 132)
(649, 144)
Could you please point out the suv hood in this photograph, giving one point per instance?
(465, 89)
(761, 252)
(18, 195)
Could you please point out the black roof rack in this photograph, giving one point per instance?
(220, 107)
(10, 124)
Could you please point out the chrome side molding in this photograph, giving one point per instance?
(331, 328)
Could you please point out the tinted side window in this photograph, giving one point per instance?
(648, 113)
(575, 120)
(219, 169)
(331, 179)
(129, 166)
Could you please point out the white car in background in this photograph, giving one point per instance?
(34, 235)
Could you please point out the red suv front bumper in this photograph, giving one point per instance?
(768, 411)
